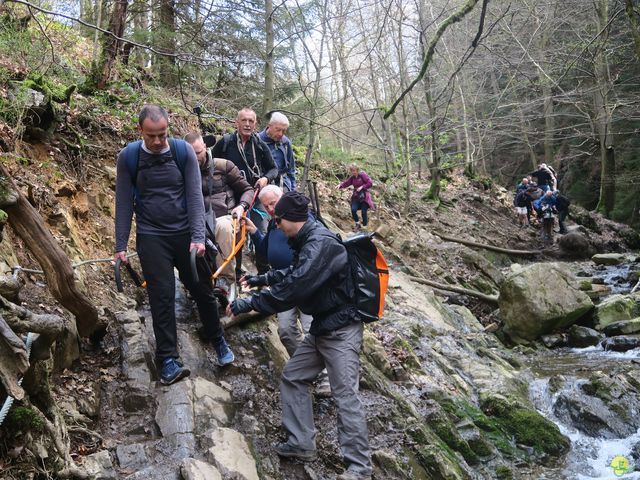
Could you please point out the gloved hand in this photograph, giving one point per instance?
(240, 305)
(255, 280)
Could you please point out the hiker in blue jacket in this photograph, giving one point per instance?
(163, 187)
(281, 150)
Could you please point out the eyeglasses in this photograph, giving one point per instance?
(277, 220)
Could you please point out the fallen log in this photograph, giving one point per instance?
(508, 251)
(30, 227)
(490, 299)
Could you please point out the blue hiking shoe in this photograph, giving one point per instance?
(224, 353)
(172, 371)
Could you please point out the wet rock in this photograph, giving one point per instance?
(539, 299)
(598, 291)
(591, 416)
(555, 340)
(608, 258)
(617, 308)
(132, 457)
(232, 455)
(388, 465)
(527, 426)
(99, 466)
(621, 343)
(623, 327)
(192, 469)
(575, 245)
(582, 337)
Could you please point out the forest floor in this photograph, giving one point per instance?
(73, 189)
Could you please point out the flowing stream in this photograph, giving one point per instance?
(561, 373)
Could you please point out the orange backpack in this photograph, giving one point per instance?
(369, 274)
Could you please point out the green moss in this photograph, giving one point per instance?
(585, 285)
(598, 387)
(504, 473)
(408, 358)
(54, 92)
(444, 428)
(526, 425)
(3, 217)
(21, 420)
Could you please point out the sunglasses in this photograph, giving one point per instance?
(278, 220)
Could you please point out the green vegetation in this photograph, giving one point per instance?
(526, 425)
(21, 420)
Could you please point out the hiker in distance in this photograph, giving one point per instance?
(159, 179)
(317, 282)
(361, 197)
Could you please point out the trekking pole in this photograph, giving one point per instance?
(237, 245)
(314, 187)
(132, 273)
(192, 262)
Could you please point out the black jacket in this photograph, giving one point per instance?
(243, 158)
(544, 176)
(317, 281)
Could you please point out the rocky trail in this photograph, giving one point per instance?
(445, 398)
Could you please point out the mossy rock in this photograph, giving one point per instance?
(526, 425)
(617, 308)
(439, 464)
(52, 91)
(21, 420)
(438, 421)
(504, 473)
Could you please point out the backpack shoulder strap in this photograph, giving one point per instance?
(179, 153)
(226, 139)
(131, 158)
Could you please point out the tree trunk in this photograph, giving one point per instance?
(602, 120)
(267, 104)
(166, 65)
(633, 22)
(102, 71)
(29, 226)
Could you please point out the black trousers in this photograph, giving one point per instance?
(158, 256)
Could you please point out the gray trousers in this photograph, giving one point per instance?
(289, 331)
(339, 353)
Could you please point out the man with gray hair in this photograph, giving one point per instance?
(281, 150)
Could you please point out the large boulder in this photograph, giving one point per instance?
(539, 299)
(617, 308)
(608, 258)
(575, 245)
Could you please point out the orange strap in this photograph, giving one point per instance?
(237, 245)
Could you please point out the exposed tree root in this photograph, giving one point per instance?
(490, 299)
(508, 251)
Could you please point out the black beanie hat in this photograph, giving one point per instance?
(293, 206)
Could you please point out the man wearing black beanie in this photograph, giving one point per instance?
(318, 283)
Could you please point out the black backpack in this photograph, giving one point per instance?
(369, 275)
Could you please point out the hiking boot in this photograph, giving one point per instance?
(172, 371)
(350, 474)
(323, 390)
(223, 352)
(289, 451)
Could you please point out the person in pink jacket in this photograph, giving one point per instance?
(361, 197)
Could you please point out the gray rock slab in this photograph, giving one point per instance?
(621, 343)
(99, 466)
(136, 357)
(232, 455)
(624, 327)
(175, 409)
(192, 469)
(177, 446)
(212, 405)
(160, 471)
(132, 457)
(582, 337)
